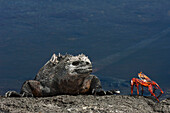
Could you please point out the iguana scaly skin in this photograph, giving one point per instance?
(62, 74)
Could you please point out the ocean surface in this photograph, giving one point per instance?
(121, 38)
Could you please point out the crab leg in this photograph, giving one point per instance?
(151, 91)
(132, 84)
(142, 89)
(157, 86)
(131, 89)
(137, 86)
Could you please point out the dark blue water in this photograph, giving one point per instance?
(121, 38)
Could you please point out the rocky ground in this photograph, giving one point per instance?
(85, 103)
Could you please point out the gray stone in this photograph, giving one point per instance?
(85, 104)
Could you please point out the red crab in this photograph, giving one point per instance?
(147, 82)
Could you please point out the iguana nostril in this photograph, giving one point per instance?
(87, 63)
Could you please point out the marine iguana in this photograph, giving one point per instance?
(63, 74)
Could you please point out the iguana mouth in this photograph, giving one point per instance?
(84, 70)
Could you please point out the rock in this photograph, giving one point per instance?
(163, 107)
(85, 103)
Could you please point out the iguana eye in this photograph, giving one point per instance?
(76, 63)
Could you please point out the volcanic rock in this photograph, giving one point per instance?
(84, 104)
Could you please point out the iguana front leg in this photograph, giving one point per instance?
(12, 94)
(96, 88)
(30, 88)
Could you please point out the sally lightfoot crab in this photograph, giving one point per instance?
(146, 82)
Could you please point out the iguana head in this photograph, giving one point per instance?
(73, 65)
